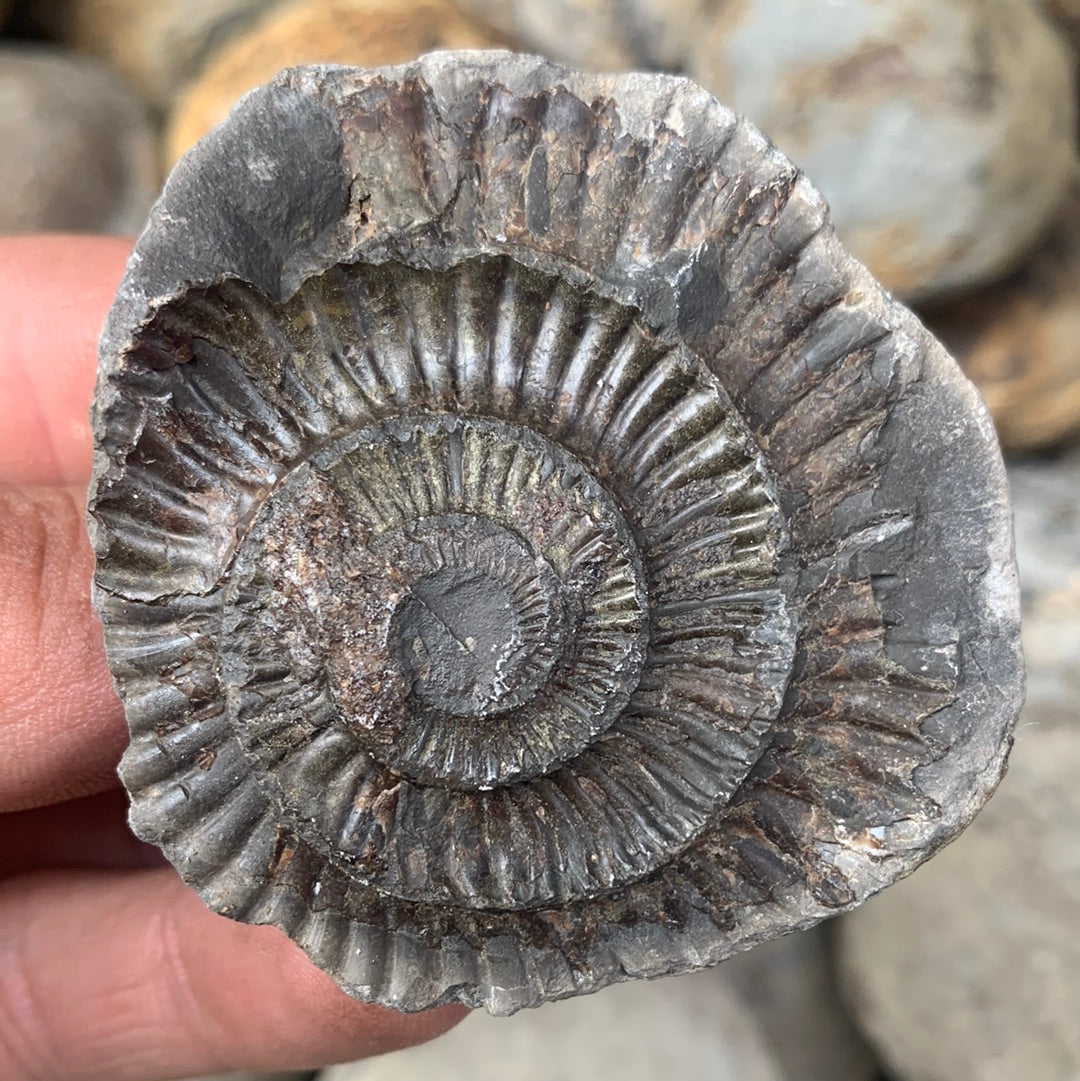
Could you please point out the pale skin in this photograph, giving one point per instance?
(110, 968)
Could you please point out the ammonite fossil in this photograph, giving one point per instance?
(532, 554)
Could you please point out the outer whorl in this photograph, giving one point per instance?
(532, 553)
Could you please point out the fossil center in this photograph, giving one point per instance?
(441, 571)
(474, 634)
(524, 596)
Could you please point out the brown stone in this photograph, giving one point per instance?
(1066, 15)
(1019, 340)
(77, 153)
(157, 45)
(368, 33)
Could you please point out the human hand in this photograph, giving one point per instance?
(109, 966)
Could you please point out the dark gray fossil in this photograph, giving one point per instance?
(532, 553)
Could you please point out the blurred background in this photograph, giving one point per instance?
(944, 135)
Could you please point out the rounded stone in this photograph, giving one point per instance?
(969, 968)
(1047, 507)
(362, 32)
(942, 132)
(156, 46)
(79, 154)
(636, 1032)
(1019, 340)
(789, 986)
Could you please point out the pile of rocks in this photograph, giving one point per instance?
(943, 133)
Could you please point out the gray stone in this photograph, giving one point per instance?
(941, 131)
(599, 35)
(789, 987)
(970, 969)
(78, 151)
(694, 1028)
(771, 1012)
(1046, 498)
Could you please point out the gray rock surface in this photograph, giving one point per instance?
(940, 131)
(770, 1013)
(599, 35)
(694, 1028)
(970, 969)
(439, 183)
(1046, 497)
(78, 152)
(788, 985)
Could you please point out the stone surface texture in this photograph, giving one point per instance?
(1046, 497)
(693, 1026)
(362, 32)
(493, 397)
(941, 131)
(969, 969)
(789, 988)
(601, 35)
(157, 45)
(772, 1012)
(78, 151)
(1019, 340)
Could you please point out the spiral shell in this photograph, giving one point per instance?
(532, 554)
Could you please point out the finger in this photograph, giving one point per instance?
(54, 293)
(82, 833)
(127, 976)
(61, 724)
